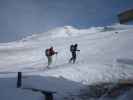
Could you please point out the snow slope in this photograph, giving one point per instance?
(105, 56)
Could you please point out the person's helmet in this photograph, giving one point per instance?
(76, 44)
(51, 47)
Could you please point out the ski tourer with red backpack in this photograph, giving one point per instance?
(49, 54)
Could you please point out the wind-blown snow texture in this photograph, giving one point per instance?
(106, 55)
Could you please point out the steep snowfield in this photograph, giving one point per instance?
(106, 55)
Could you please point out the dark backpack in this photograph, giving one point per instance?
(72, 48)
(47, 52)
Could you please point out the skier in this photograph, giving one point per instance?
(73, 50)
(49, 53)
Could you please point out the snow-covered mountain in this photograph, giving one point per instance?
(105, 56)
(70, 31)
(66, 31)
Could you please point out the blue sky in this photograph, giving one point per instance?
(19, 18)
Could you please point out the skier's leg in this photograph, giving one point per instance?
(49, 60)
(74, 58)
(70, 60)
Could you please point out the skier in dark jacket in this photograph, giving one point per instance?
(49, 53)
(73, 50)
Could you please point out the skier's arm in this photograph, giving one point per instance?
(55, 52)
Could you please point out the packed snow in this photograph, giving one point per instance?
(106, 55)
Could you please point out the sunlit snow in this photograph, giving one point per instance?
(106, 55)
